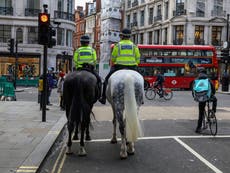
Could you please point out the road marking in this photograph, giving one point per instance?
(27, 169)
(61, 164)
(58, 159)
(211, 166)
(159, 137)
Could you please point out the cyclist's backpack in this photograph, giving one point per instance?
(201, 90)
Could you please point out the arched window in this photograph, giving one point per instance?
(19, 35)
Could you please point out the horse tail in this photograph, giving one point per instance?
(133, 129)
(84, 105)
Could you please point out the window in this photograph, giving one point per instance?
(60, 5)
(19, 35)
(69, 36)
(157, 37)
(33, 4)
(165, 36)
(141, 38)
(200, 8)
(159, 10)
(216, 35)
(5, 33)
(60, 36)
(129, 4)
(70, 6)
(218, 6)
(134, 17)
(150, 34)
(199, 35)
(142, 18)
(166, 10)
(179, 34)
(32, 35)
(150, 16)
(128, 21)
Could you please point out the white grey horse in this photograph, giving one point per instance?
(125, 94)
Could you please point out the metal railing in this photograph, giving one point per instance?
(63, 15)
(6, 11)
(32, 12)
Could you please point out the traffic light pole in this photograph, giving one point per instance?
(44, 92)
(16, 65)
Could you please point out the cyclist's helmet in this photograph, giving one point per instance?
(202, 70)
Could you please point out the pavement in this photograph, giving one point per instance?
(25, 140)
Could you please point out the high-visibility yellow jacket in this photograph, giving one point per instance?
(125, 53)
(85, 54)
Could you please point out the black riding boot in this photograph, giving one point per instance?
(102, 100)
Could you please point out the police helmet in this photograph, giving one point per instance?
(126, 32)
(84, 39)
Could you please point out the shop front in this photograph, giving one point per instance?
(64, 63)
(27, 68)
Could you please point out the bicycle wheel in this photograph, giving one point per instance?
(150, 94)
(168, 94)
(205, 121)
(212, 122)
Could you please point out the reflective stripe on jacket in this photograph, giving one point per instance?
(126, 53)
(85, 54)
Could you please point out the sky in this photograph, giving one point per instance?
(81, 2)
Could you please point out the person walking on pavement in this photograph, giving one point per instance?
(85, 58)
(60, 89)
(159, 82)
(125, 55)
(201, 105)
(50, 81)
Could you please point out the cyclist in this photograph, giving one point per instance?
(159, 83)
(203, 75)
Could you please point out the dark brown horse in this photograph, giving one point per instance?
(80, 93)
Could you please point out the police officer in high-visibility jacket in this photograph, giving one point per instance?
(125, 55)
(85, 58)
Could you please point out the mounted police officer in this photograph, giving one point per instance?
(125, 55)
(85, 58)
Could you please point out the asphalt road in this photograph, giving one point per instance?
(168, 145)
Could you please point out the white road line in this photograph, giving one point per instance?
(162, 137)
(215, 169)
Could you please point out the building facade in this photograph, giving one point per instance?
(197, 22)
(19, 20)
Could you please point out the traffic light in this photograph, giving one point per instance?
(43, 28)
(11, 45)
(52, 41)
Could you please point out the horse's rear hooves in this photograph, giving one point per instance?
(113, 141)
(88, 138)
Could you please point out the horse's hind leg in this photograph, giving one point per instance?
(114, 137)
(130, 148)
(87, 137)
(75, 136)
(69, 143)
(82, 151)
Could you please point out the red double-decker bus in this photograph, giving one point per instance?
(178, 63)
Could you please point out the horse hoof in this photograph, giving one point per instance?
(88, 138)
(68, 151)
(82, 152)
(123, 155)
(75, 137)
(113, 141)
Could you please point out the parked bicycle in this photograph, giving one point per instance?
(151, 93)
(210, 119)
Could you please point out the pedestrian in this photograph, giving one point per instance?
(85, 58)
(50, 82)
(159, 82)
(202, 99)
(60, 89)
(125, 55)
